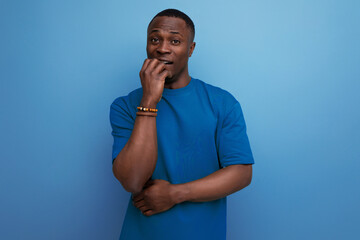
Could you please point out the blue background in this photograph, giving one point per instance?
(293, 65)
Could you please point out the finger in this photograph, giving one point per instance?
(164, 74)
(148, 213)
(153, 63)
(144, 209)
(133, 196)
(138, 197)
(145, 64)
(160, 67)
(139, 204)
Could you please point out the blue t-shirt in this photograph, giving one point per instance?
(200, 129)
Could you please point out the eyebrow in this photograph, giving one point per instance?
(173, 32)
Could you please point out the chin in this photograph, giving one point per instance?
(169, 80)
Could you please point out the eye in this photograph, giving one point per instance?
(175, 41)
(154, 40)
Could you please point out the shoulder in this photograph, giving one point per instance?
(133, 98)
(126, 104)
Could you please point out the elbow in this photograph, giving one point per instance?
(244, 171)
(249, 175)
(249, 180)
(131, 187)
(130, 184)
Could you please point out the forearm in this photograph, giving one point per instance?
(137, 160)
(217, 185)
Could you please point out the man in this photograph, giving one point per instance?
(180, 145)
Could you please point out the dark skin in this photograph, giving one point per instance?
(169, 46)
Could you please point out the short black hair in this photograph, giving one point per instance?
(178, 14)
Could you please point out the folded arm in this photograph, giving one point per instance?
(160, 195)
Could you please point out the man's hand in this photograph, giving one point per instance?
(160, 195)
(155, 198)
(152, 75)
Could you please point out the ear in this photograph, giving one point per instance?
(192, 47)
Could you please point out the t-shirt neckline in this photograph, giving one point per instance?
(179, 91)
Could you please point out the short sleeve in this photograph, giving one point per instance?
(122, 124)
(233, 143)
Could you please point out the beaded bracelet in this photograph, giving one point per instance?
(148, 114)
(144, 109)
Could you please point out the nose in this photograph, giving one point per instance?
(163, 47)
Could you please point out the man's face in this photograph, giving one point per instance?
(170, 40)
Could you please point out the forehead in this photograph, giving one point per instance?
(169, 24)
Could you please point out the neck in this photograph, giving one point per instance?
(179, 81)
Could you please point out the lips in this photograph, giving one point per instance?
(165, 61)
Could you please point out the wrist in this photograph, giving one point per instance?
(179, 193)
(145, 102)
